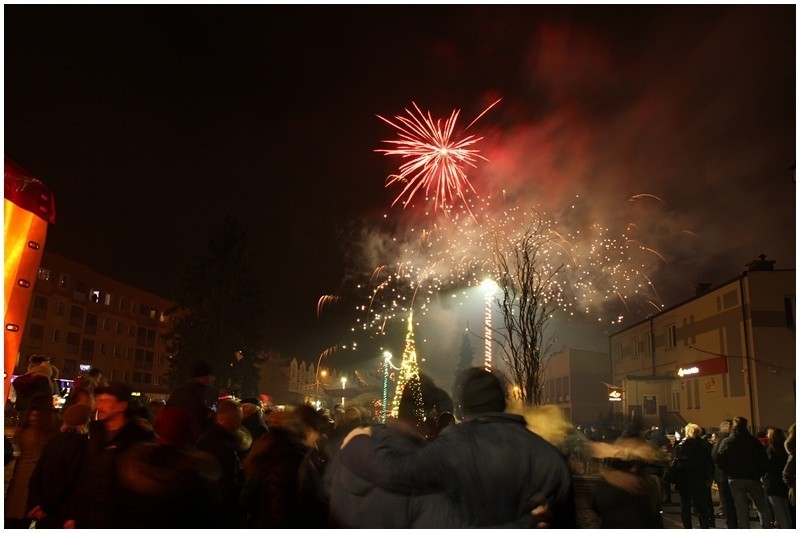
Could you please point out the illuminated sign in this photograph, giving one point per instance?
(687, 371)
(707, 367)
(614, 395)
(85, 368)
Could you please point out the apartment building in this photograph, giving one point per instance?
(82, 319)
(728, 351)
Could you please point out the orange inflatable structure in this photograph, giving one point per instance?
(28, 208)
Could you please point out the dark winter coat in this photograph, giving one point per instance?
(696, 466)
(622, 501)
(719, 474)
(773, 480)
(169, 487)
(491, 465)
(52, 484)
(285, 489)
(742, 456)
(224, 447)
(99, 489)
(357, 502)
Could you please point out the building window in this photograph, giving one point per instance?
(94, 296)
(56, 337)
(126, 377)
(76, 316)
(63, 281)
(672, 337)
(36, 333)
(115, 351)
(91, 324)
(118, 327)
(60, 308)
(123, 304)
(135, 308)
(39, 307)
(114, 374)
(107, 299)
(128, 353)
(43, 274)
(73, 341)
(131, 330)
(104, 324)
(87, 349)
(101, 348)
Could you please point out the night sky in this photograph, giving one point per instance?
(151, 124)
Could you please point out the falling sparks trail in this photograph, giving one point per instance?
(435, 160)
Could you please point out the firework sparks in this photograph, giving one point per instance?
(435, 159)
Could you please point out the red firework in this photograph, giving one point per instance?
(435, 160)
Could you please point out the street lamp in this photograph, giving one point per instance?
(387, 357)
(489, 289)
(344, 382)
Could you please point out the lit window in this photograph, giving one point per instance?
(43, 274)
(107, 299)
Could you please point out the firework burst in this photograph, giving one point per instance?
(436, 160)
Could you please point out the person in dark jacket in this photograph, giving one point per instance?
(222, 442)
(744, 459)
(490, 464)
(622, 498)
(357, 502)
(284, 475)
(721, 477)
(253, 417)
(113, 433)
(51, 494)
(696, 472)
(196, 397)
(168, 484)
(777, 491)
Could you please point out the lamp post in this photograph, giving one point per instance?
(489, 287)
(387, 356)
(316, 374)
(344, 382)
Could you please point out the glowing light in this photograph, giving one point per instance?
(435, 159)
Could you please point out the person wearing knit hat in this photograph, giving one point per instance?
(491, 464)
(479, 392)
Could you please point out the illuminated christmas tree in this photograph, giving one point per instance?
(409, 375)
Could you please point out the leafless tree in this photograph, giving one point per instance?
(530, 293)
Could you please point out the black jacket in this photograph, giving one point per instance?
(52, 484)
(773, 480)
(99, 488)
(490, 465)
(696, 465)
(742, 456)
(358, 502)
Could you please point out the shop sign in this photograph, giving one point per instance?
(707, 367)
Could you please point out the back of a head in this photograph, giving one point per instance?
(407, 409)
(480, 391)
(304, 418)
(229, 414)
(740, 425)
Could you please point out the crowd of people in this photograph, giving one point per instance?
(107, 461)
